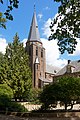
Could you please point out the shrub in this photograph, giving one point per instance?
(16, 107)
(6, 95)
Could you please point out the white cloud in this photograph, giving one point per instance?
(47, 8)
(46, 29)
(24, 42)
(52, 53)
(40, 15)
(3, 45)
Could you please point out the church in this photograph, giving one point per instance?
(37, 57)
(43, 73)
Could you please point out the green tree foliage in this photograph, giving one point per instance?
(35, 95)
(2, 21)
(69, 89)
(5, 91)
(48, 96)
(10, 5)
(66, 90)
(3, 69)
(1, 57)
(68, 25)
(15, 71)
(15, 107)
(6, 95)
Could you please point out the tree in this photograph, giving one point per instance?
(47, 97)
(15, 71)
(67, 92)
(63, 91)
(2, 21)
(10, 5)
(68, 25)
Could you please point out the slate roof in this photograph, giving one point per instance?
(76, 68)
(34, 32)
(45, 80)
(52, 69)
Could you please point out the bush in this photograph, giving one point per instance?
(5, 90)
(16, 107)
(5, 100)
(5, 96)
(6, 104)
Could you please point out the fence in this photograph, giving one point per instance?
(31, 107)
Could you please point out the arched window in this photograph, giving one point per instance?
(36, 51)
(41, 53)
(37, 67)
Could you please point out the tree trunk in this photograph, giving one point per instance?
(71, 106)
(65, 106)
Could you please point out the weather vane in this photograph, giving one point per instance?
(34, 7)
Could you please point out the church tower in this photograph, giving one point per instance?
(36, 52)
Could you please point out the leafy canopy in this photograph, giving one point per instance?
(63, 91)
(5, 91)
(6, 95)
(2, 21)
(68, 25)
(10, 5)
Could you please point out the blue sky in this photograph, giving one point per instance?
(45, 11)
(23, 16)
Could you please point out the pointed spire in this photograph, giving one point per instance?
(34, 32)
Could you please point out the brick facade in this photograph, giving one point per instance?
(37, 59)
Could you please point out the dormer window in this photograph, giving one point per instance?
(68, 69)
(36, 51)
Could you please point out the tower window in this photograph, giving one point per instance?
(36, 51)
(29, 51)
(37, 67)
(41, 53)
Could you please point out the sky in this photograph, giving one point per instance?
(46, 10)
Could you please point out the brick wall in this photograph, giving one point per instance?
(41, 116)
